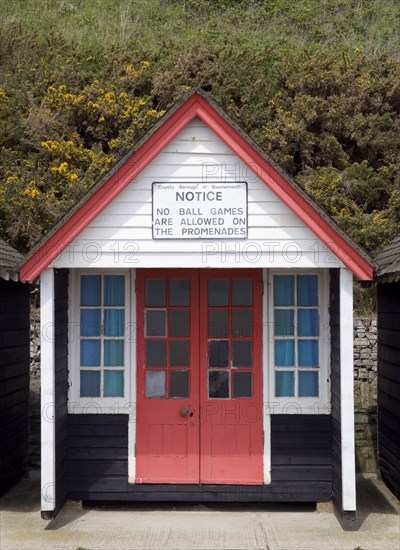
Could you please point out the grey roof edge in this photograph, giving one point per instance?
(388, 262)
(169, 113)
(10, 259)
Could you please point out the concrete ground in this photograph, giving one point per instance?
(182, 526)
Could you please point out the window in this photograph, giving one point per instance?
(102, 311)
(299, 351)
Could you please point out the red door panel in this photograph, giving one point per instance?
(231, 434)
(167, 434)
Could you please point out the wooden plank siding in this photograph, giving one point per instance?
(97, 464)
(14, 381)
(389, 383)
(121, 235)
(61, 382)
(334, 311)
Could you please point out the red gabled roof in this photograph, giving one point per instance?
(196, 104)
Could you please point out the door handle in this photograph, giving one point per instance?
(186, 412)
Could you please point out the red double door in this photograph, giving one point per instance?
(199, 377)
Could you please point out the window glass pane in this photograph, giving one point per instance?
(307, 322)
(114, 320)
(155, 383)
(218, 384)
(218, 292)
(90, 353)
(284, 290)
(308, 353)
(242, 353)
(114, 290)
(218, 323)
(242, 324)
(179, 322)
(113, 353)
(155, 353)
(308, 384)
(90, 290)
(156, 292)
(242, 292)
(218, 353)
(113, 383)
(284, 353)
(284, 384)
(307, 290)
(284, 322)
(90, 322)
(242, 384)
(179, 292)
(155, 322)
(179, 383)
(90, 383)
(179, 353)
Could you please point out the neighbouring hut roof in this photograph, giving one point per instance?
(10, 258)
(388, 262)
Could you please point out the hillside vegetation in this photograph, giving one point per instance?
(315, 82)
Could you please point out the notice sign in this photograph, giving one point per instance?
(200, 210)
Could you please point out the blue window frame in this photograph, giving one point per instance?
(296, 335)
(102, 314)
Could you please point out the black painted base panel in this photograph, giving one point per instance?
(278, 492)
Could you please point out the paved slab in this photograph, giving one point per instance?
(201, 527)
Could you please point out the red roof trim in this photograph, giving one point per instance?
(196, 105)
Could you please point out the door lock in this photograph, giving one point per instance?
(186, 412)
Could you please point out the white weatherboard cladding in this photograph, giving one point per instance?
(121, 236)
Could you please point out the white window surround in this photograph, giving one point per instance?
(101, 405)
(300, 405)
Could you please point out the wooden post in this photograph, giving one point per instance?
(347, 394)
(48, 481)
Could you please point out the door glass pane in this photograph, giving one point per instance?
(113, 383)
(155, 322)
(242, 384)
(242, 292)
(156, 292)
(179, 292)
(90, 353)
(113, 353)
(242, 353)
(242, 324)
(155, 353)
(284, 353)
(308, 353)
(218, 323)
(284, 322)
(179, 353)
(155, 383)
(179, 383)
(284, 290)
(90, 322)
(218, 384)
(179, 322)
(218, 292)
(284, 384)
(308, 384)
(218, 353)
(307, 321)
(90, 290)
(114, 290)
(307, 290)
(90, 383)
(114, 320)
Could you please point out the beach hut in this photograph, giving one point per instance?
(14, 368)
(388, 271)
(197, 337)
